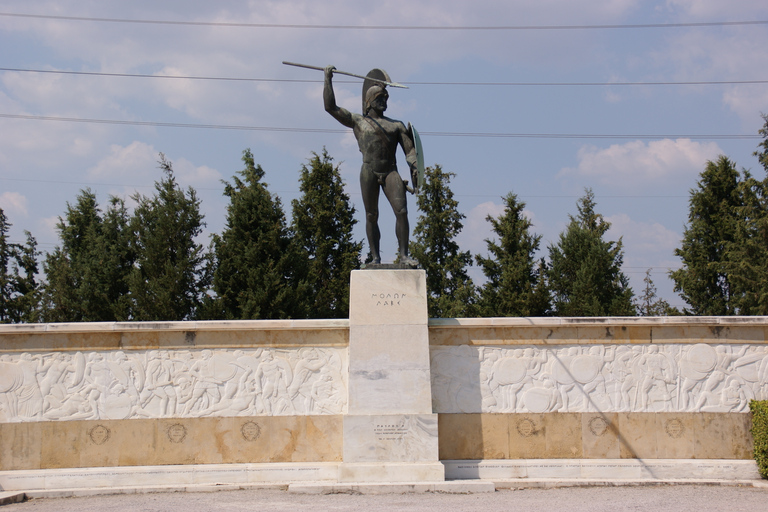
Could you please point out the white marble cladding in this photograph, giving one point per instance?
(608, 378)
(172, 383)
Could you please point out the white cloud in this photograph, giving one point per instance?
(14, 203)
(126, 161)
(48, 229)
(188, 173)
(640, 164)
(646, 245)
(707, 9)
(477, 229)
(138, 163)
(731, 53)
(747, 101)
(642, 238)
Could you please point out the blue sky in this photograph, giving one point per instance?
(641, 183)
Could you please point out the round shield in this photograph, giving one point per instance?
(222, 369)
(748, 367)
(562, 371)
(537, 399)
(585, 368)
(688, 371)
(118, 407)
(702, 357)
(378, 74)
(509, 371)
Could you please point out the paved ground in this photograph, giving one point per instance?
(674, 498)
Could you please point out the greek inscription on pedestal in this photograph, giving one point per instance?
(177, 433)
(598, 426)
(526, 427)
(99, 434)
(390, 432)
(674, 428)
(250, 430)
(387, 299)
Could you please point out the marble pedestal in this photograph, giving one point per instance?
(390, 432)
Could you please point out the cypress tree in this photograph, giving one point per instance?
(19, 291)
(168, 279)
(87, 275)
(322, 225)
(256, 263)
(585, 275)
(516, 284)
(703, 280)
(450, 290)
(747, 256)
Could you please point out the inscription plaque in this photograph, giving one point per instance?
(526, 427)
(675, 428)
(598, 426)
(250, 431)
(99, 434)
(177, 433)
(390, 432)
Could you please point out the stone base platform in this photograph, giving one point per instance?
(391, 472)
(462, 476)
(635, 470)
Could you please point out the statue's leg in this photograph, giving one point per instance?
(369, 186)
(394, 189)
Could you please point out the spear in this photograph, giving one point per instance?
(391, 84)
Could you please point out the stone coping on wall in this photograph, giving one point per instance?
(599, 330)
(442, 331)
(190, 325)
(228, 325)
(609, 321)
(173, 335)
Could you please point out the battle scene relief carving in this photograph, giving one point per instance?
(172, 383)
(590, 378)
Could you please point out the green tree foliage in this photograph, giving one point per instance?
(169, 279)
(649, 303)
(585, 274)
(516, 284)
(19, 291)
(322, 225)
(703, 280)
(87, 275)
(257, 266)
(747, 260)
(762, 148)
(450, 291)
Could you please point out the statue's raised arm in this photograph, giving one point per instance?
(342, 115)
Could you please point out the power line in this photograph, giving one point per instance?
(524, 196)
(425, 133)
(387, 27)
(283, 80)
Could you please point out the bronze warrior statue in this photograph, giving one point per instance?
(378, 137)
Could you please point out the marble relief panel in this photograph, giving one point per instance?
(608, 378)
(172, 383)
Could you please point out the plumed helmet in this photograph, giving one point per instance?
(371, 94)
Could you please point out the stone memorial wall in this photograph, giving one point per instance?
(96, 395)
(180, 383)
(608, 378)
